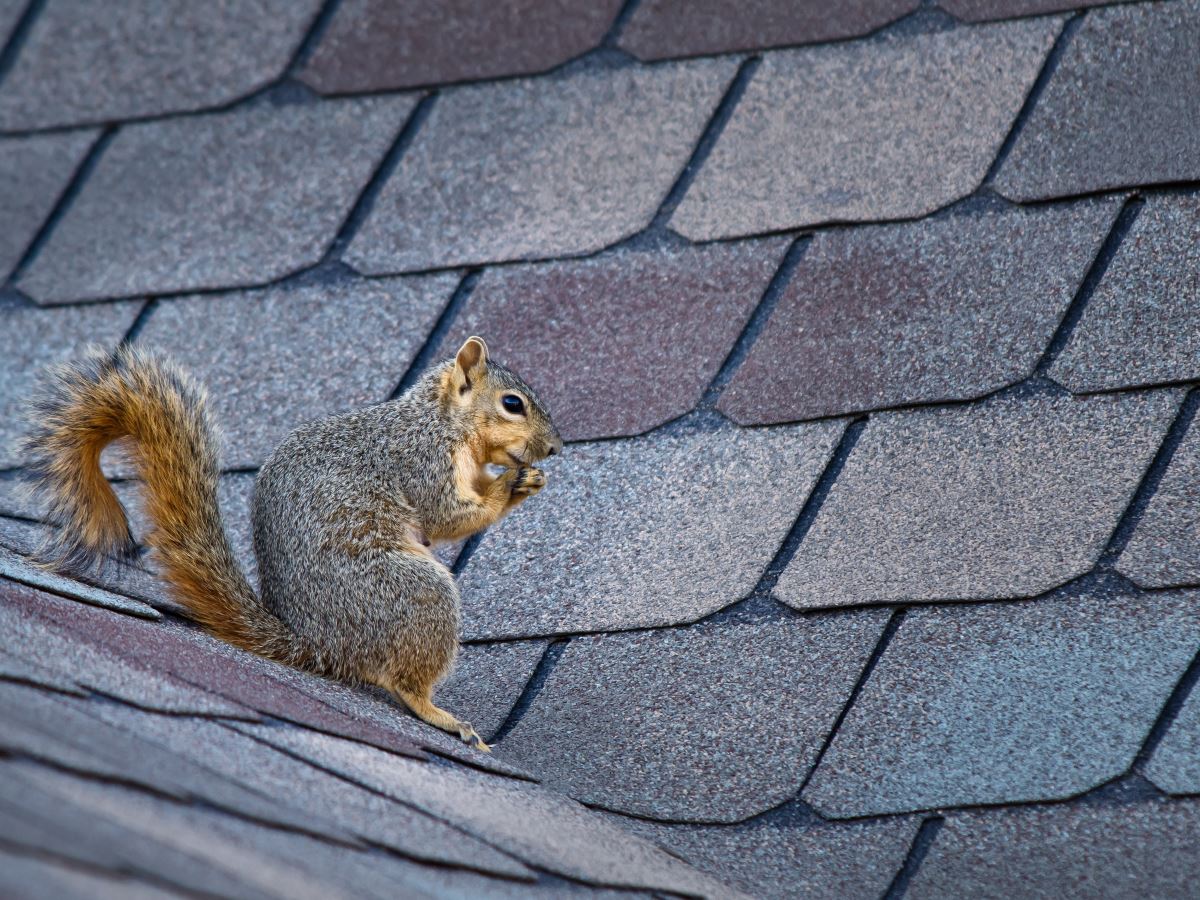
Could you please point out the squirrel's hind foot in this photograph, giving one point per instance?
(425, 710)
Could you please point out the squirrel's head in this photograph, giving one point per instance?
(512, 427)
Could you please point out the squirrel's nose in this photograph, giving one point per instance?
(555, 445)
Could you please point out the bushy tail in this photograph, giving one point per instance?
(127, 393)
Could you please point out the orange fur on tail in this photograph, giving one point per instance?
(163, 414)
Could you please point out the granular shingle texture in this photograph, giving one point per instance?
(277, 358)
(487, 680)
(1142, 323)
(744, 710)
(1121, 108)
(687, 525)
(18, 568)
(223, 200)
(530, 169)
(1004, 703)
(1009, 498)
(10, 14)
(774, 858)
(983, 10)
(89, 62)
(373, 45)
(944, 309)
(34, 172)
(532, 822)
(1165, 547)
(885, 130)
(31, 339)
(1175, 765)
(623, 342)
(660, 29)
(1121, 852)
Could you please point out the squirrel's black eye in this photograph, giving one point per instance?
(513, 404)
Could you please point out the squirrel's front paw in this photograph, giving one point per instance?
(528, 481)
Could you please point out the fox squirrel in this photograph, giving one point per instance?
(344, 511)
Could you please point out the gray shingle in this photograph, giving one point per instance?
(659, 29)
(1001, 703)
(668, 535)
(224, 200)
(60, 730)
(259, 768)
(983, 10)
(10, 14)
(277, 358)
(1175, 765)
(83, 62)
(1123, 852)
(775, 859)
(31, 339)
(744, 709)
(37, 801)
(1163, 550)
(373, 45)
(34, 171)
(539, 826)
(886, 129)
(1140, 326)
(610, 326)
(31, 637)
(28, 876)
(1007, 498)
(943, 309)
(218, 863)
(487, 680)
(1120, 109)
(529, 169)
(17, 568)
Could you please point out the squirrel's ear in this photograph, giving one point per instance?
(470, 363)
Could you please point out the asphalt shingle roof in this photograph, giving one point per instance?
(870, 568)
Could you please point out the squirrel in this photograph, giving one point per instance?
(344, 511)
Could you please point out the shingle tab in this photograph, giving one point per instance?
(1121, 108)
(10, 14)
(277, 358)
(34, 171)
(224, 200)
(35, 639)
(1163, 550)
(374, 45)
(944, 309)
(625, 342)
(530, 169)
(776, 859)
(1119, 852)
(667, 537)
(660, 29)
(1007, 498)
(19, 569)
(85, 62)
(487, 680)
(744, 710)
(1002, 703)
(259, 768)
(31, 339)
(1175, 765)
(537, 825)
(1141, 325)
(871, 130)
(983, 10)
